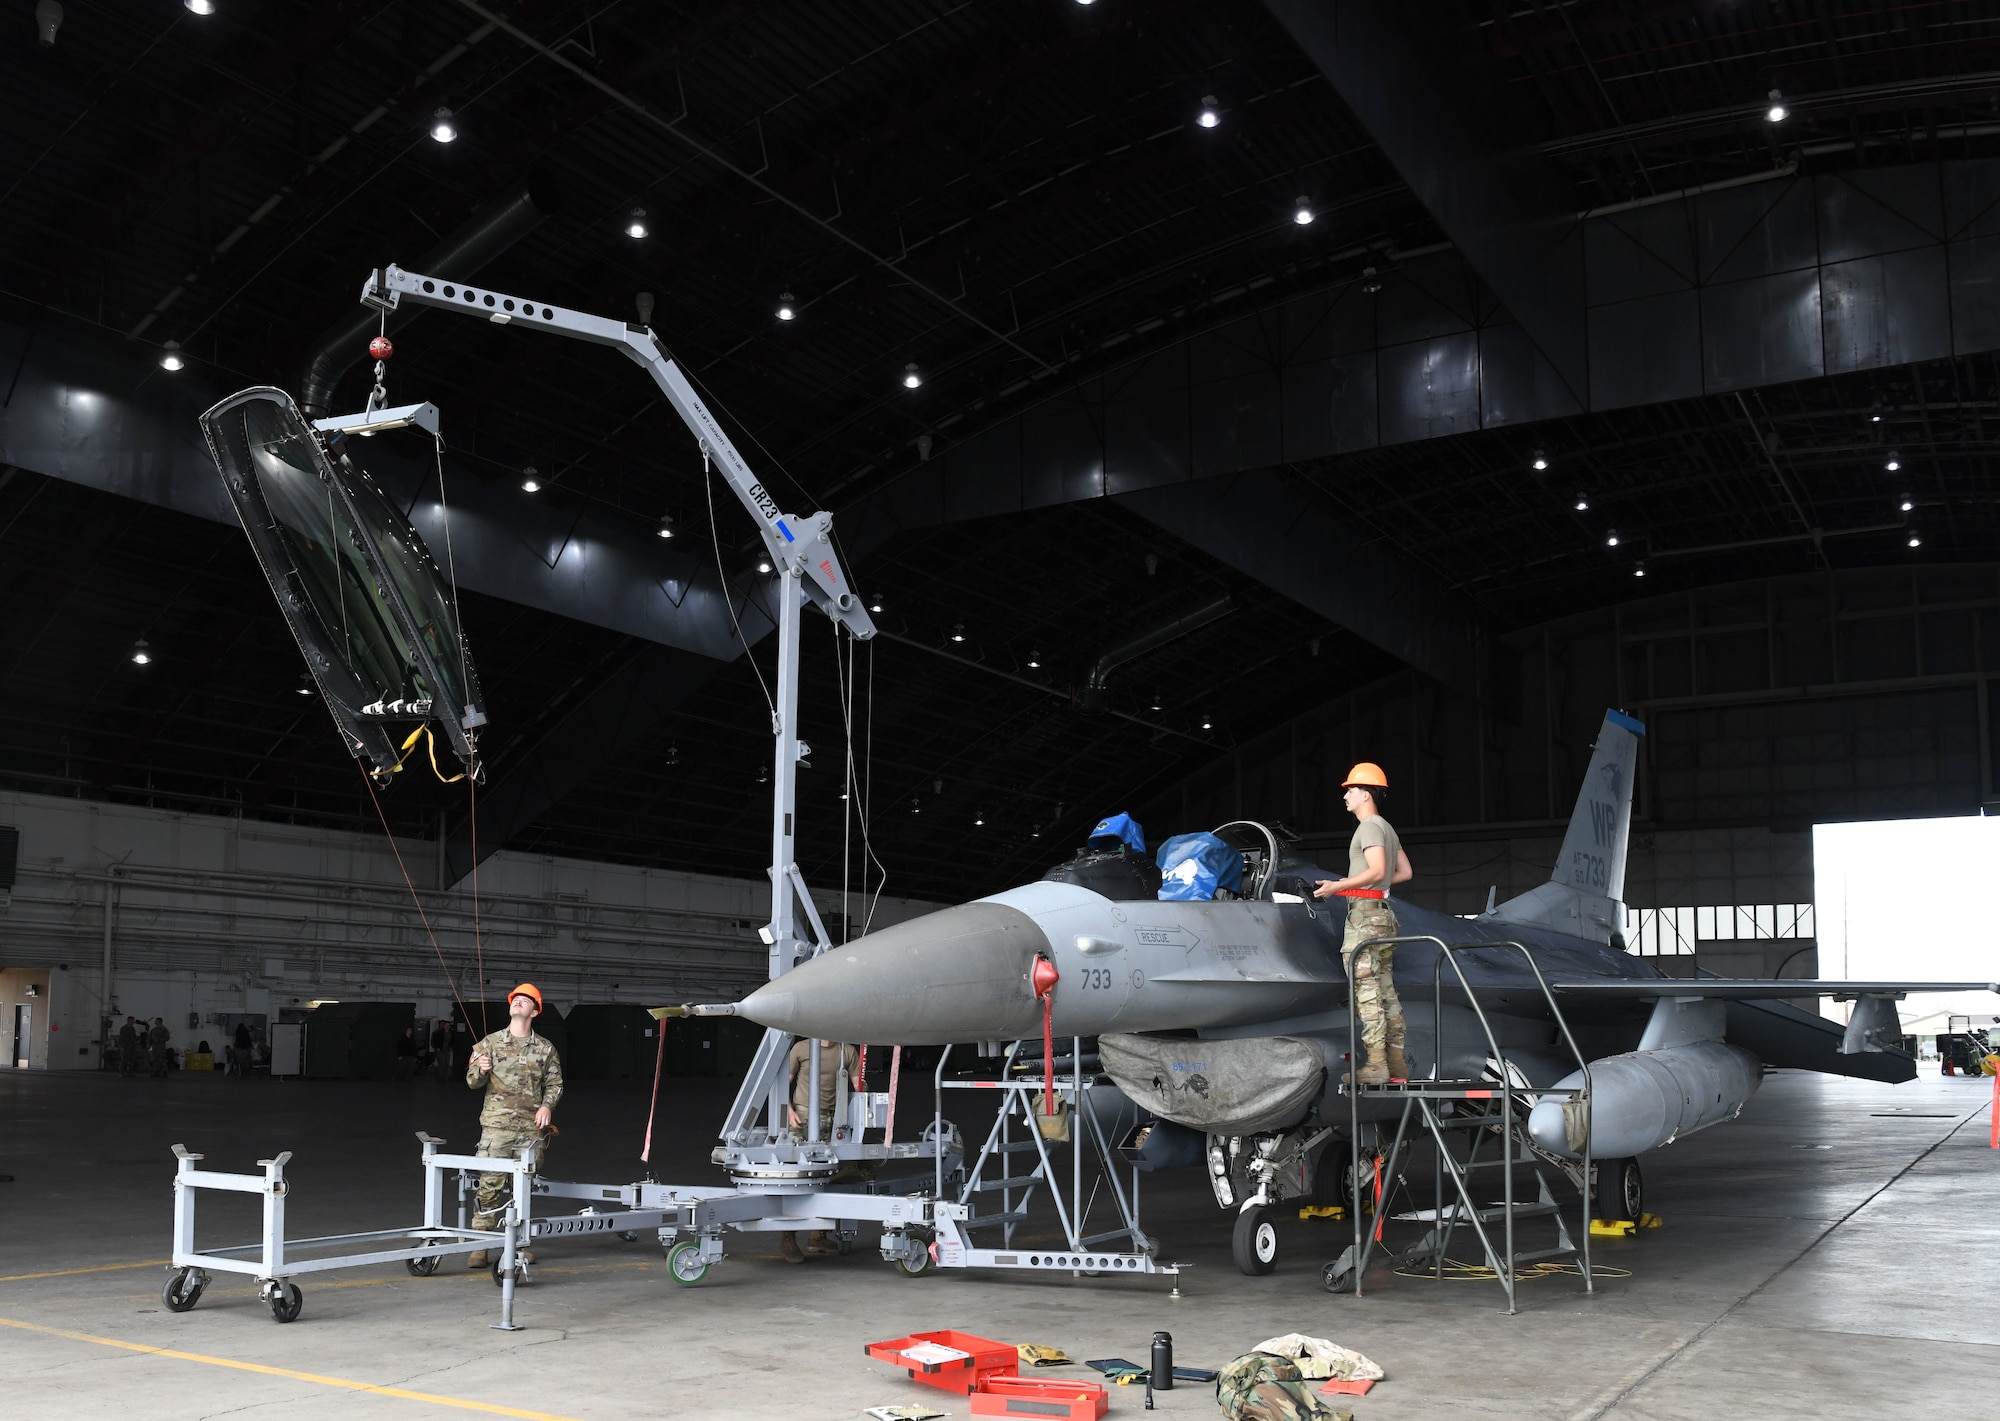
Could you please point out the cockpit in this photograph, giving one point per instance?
(1241, 860)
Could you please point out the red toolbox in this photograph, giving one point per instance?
(1041, 1396)
(980, 1359)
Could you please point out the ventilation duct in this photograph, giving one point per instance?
(342, 345)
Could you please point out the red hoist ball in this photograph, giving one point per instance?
(380, 348)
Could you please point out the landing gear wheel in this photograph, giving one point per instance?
(1255, 1242)
(422, 1267)
(918, 1261)
(685, 1262)
(183, 1290)
(286, 1300)
(1620, 1191)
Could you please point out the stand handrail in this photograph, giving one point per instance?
(1364, 1240)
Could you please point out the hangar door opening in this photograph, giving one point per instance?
(1917, 899)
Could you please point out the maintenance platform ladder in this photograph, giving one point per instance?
(1480, 1112)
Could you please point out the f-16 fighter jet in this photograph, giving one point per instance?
(1228, 1018)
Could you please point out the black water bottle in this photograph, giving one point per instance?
(1163, 1361)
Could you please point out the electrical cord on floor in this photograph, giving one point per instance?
(1479, 1272)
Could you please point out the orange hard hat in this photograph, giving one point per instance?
(527, 989)
(1368, 775)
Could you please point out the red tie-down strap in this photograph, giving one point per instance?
(1044, 979)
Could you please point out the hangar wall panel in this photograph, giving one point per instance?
(213, 914)
(1771, 705)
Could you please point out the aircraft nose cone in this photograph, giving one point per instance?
(961, 974)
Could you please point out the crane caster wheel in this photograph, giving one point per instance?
(422, 1267)
(1254, 1244)
(1338, 1276)
(183, 1289)
(917, 1258)
(685, 1262)
(285, 1300)
(629, 1236)
(522, 1277)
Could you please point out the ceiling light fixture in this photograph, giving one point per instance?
(958, 632)
(1874, 419)
(1777, 113)
(141, 656)
(1916, 541)
(979, 819)
(763, 564)
(666, 525)
(1035, 658)
(1303, 213)
(1370, 282)
(916, 805)
(1895, 462)
(1208, 117)
(785, 311)
(1156, 699)
(1611, 539)
(305, 683)
(1539, 462)
(529, 483)
(199, 7)
(1906, 505)
(875, 603)
(1638, 569)
(1582, 504)
(911, 379)
(635, 225)
(443, 129)
(1207, 723)
(170, 356)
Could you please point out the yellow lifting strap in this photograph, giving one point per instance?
(423, 732)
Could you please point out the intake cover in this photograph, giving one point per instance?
(1217, 1087)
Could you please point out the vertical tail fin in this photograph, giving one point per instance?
(1586, 892)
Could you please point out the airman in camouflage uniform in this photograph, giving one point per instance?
(1375, 862)
(522, 1077)
(128, 1048)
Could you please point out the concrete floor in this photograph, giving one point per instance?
(1832, 1254)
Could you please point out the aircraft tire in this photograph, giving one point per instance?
(1621, 1189)
(1254, 1244)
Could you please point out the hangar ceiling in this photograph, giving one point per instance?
(1021, 201)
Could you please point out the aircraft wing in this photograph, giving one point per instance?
(1741, 989)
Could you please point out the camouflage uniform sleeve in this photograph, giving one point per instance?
(473, 1079)
(552, 1081)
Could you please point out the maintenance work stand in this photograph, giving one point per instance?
(1461, 1118)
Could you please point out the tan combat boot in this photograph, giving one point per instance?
(1399, 1064)
(1373, 1071)
(481, 1259)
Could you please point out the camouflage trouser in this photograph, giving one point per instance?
(1260, 1387)
(496, 1191)
(1373, 971)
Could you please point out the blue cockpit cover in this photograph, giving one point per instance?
(1194, 866)
(1118, 829)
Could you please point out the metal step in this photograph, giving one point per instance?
(985, 1221)
(1015, 1181)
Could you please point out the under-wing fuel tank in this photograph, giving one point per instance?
(1644, 1099)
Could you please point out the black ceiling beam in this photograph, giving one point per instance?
(1425, 87)
(611, 719)
(1293, 539)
